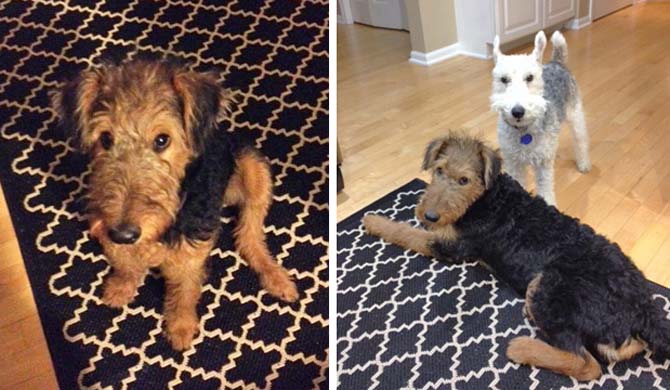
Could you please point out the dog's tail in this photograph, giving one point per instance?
(656, 333)
(559, 51)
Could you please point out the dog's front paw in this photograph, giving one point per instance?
(180, 330)
(584, 166)
(519, 349)
(374, 224)
(118, 291)
(279, 284)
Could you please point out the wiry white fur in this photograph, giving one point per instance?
(511, 88)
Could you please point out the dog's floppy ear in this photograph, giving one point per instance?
(73, 102)
(203, 103)
(496, 49)
(432, 152)
(492, 164)
(540, 45)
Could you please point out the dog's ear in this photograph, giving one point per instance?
(73, 102)
(432, 152)
(203, 103)
(540, 45)
(492, 164)
(496, 49)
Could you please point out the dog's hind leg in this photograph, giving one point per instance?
(625, 351)
(544, 175)
(250, 188)
(401, 234)
(580, 136)
(527, 350)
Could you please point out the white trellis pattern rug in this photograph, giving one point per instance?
(405, 321)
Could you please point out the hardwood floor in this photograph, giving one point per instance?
(388, 110)
(24, 357)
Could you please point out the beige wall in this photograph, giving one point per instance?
(432, 24)
(583, 8)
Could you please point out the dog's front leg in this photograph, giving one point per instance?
(517, 169)
(544, 174)
(401, 234)
(121, 286)
(184, 272)
(127, 273)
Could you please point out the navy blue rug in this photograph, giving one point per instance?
(275, 55)
(405, 321)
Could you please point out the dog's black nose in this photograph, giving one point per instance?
(124, 233)
(518, 111)
(431, 216)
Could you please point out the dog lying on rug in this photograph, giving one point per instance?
(160, 173)
(586, 297)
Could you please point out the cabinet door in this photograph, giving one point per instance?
(559, 11)
(517, 18)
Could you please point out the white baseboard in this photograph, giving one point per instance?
(576, 24)
(474, 55)
(435, 56)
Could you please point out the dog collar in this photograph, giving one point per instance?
(526, 139)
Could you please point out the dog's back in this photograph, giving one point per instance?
(587, 284)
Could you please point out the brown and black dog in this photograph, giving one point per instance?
(160, 172)
(586, 297)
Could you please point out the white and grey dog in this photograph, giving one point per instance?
(532, 101)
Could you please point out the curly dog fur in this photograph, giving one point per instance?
(583, 293)
(160, 172)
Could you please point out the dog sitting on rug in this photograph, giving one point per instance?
(586, 297)
(532, 101)
(160, 173)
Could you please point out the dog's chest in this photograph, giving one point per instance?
(530, 147)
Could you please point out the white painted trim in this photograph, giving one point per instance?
(576, 24)
(474, 55)
(435, 56)
(439, 55)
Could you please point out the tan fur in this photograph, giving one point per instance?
(530, 291)
(625, 351)
(534, 352)
(133, 183)
(251, 189)
(450, 159)
(402, 234)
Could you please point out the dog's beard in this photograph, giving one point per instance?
(534, 106)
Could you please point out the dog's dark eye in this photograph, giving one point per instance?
(504, 80)
(161, 142)
(106, 140)
(438, 170)
(529, 78)
(463, 181)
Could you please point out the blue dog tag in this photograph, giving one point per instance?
(526, 139)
